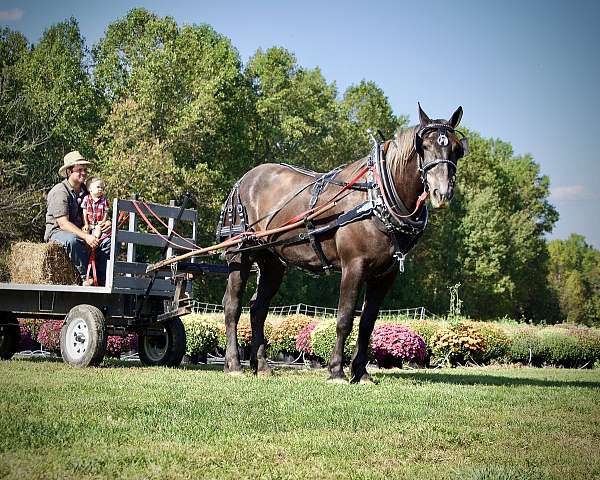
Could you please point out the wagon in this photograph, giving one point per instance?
(132, 301)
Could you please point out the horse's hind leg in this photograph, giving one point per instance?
(239, 270)
(270, 276)
(375, 291)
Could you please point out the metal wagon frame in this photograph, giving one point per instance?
(132, 301)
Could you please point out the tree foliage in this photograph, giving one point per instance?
(574, 276)
(295, 110)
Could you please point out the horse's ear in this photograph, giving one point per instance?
(456, 116)
(423, 118)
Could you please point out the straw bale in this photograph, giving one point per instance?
(41, 263)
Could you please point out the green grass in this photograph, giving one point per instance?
(125, 421)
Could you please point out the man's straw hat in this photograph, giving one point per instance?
(71, 159)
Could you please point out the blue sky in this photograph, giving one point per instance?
(526, 72)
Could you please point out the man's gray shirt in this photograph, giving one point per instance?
(63, 201)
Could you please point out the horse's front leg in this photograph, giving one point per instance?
(352, 278)
(375, 291)
(239, 270)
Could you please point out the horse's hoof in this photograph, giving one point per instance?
(234, 372)
(337, 380)
(366, 380)
(265, 372)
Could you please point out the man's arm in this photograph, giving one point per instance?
(64, 224)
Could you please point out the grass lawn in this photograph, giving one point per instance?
(123, 420)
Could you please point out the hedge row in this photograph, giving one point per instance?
(421, 342)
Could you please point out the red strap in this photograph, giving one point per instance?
(139, 210)
(92, 267)
(166, 226)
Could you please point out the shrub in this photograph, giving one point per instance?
(560, 347)
(282, 337)
(426, 329)
(221, 336)
(570, 346)
(115, 345)
(323, 340)
(26, 342)
(393, 343)
(496, 343)
(49, 335)
(33, 325)
(244, 333)
(589, 343)
(526, 347)
(303, 340)
(202, 334)
(459, 342)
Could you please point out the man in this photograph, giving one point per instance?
(64, 218)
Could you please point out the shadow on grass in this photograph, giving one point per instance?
(117, 363)
(440, 377)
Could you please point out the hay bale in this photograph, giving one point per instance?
(41, 263)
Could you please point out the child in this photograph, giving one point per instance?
(95, 207)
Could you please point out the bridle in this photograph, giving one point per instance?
(442, 140)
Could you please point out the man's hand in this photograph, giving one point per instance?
(91, 241)
(85, 228)
(106, 226)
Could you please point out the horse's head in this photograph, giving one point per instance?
(439, 147)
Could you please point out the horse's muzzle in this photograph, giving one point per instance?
(441, 198)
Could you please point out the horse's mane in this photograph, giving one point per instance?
(404, 146)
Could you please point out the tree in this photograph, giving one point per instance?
(295, 111)
(364, 106)
(574, 277)
(48, 107)
(187, 80)
(179, 111)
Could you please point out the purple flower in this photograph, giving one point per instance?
(396, 342)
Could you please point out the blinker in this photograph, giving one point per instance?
(464, 142)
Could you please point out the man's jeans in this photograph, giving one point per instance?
(79, 253)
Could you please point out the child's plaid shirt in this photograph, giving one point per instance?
(94, 210)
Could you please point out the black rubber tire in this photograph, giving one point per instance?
(83, 337)
(167, 349)
(10, 335)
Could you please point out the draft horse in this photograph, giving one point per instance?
(376, 216)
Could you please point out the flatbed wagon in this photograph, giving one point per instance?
(131, 301)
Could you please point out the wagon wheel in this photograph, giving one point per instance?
(83, 337)
(10, 335)
(164, 346)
